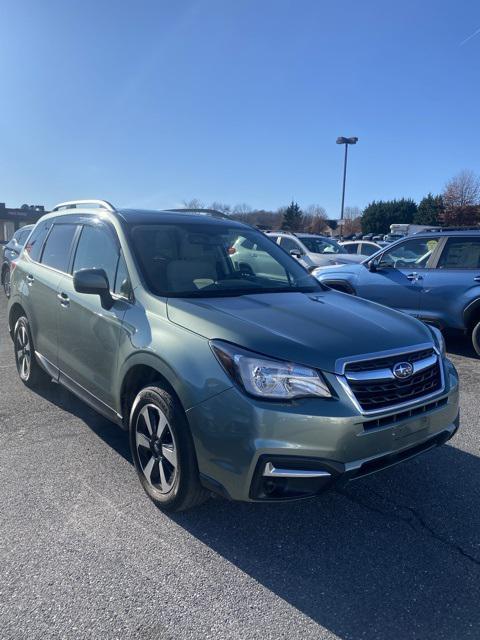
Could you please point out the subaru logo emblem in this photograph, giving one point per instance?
(403, 370)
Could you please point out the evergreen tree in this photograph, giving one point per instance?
(378, 216)
(429, 210)
(292, 217)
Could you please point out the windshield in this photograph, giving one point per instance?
(205, 260)
(321, 245)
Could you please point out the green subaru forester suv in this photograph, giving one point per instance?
(234, 372)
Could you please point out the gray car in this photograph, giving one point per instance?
(256, 383)
(11, 251)
(313, 250)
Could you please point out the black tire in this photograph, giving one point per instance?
(30, 372)
(163, 451)
(476, 338)
(6, 281)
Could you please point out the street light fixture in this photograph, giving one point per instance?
(346, 142)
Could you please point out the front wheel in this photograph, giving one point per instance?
(163, 452)
(476, 338)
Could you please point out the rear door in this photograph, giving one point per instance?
(398, 277)
(47, 257)
(89, 333)
(454, 283)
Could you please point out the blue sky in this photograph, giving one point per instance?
(151, 102)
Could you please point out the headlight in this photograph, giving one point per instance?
(438, 338)
(268, 378)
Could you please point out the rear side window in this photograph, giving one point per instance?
(56, 253)
(350, 248)
(97, 250)
(461, 253)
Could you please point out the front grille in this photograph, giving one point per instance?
(388, 362)
(374, 394)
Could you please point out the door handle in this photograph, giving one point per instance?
(414, 277)
(477, 278)
(64, 299)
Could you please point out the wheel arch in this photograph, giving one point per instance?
(471, 314)
(137, 377)
(16, 311)
(5, 266)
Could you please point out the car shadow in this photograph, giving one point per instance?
(460, 345)
(109, 432)
(395, 555)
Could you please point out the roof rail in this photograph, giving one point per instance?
(74, 204)
(211, 212)
(447, 229)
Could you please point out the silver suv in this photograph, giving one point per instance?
(313, 250)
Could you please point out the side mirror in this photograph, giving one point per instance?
(372, 265)
(93, 281)
(296, 253)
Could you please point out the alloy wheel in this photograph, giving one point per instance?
(23, 352)
(156, 448)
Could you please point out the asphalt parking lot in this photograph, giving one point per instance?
(84, 554)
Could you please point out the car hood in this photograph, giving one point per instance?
(311, 329)
(327, 259)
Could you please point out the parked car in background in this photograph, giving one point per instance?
(312, 250)
(378, 238)
(11, 251)
(257, 384)
(368, 236)
(393, 237)
(360, 247)
(432, 276)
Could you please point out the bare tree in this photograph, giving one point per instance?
(220, 206)
(194, 203)
(242, 209)
(461, 199)
(463, 190)
(351, 213)
(315, 210)
(315, 219)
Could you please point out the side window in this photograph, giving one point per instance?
(22, 237)
(460, 253)
(288, 244)
(36, 240)
(368, 249)
(411, 253)
(122, 279)
(96, 249)
(56, 252)
(350, 248)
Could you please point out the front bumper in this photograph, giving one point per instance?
(239, 440)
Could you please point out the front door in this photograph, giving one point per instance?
(89, 333)
(396, 279)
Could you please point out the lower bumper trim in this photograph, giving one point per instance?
(274, 472)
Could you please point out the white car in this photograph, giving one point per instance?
(360, 247)
(313, 250)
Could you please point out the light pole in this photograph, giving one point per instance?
(346, 142)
